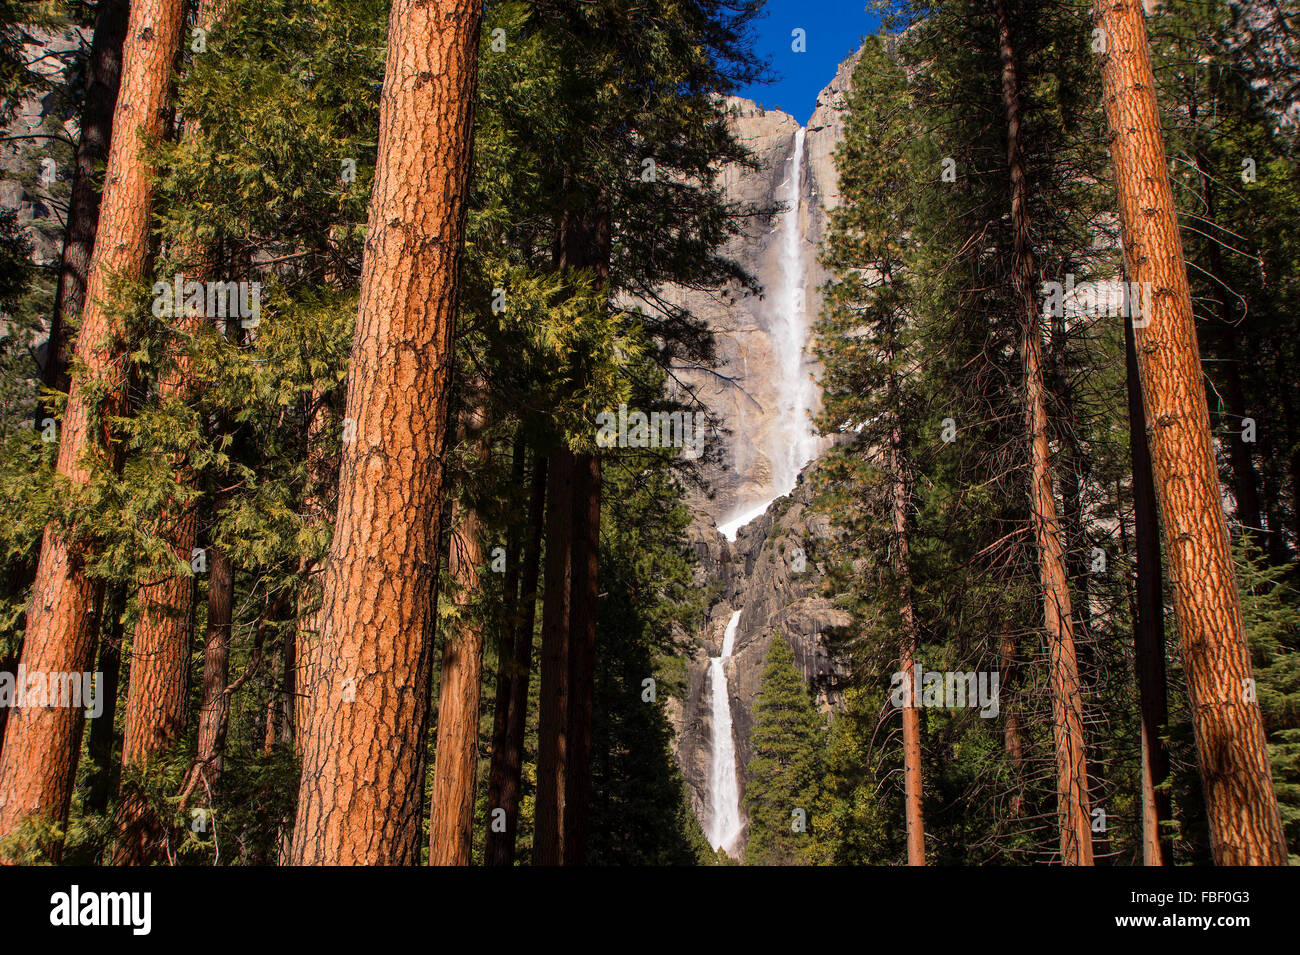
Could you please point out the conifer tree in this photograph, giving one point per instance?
(782, 779)
(1245, 827)
(363, 755)
(40, 754)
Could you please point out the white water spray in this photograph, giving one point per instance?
(796, 443)
(724, 791)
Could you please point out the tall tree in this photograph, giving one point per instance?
(103, 77)
(41, 745)
(1148, 626)
(507, 752)
(363, 755)
(1073, 813)
(451, 817)
(1245, 825)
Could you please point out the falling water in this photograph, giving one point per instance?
(796, 442)
(724, 793)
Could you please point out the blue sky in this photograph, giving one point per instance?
(832, 29)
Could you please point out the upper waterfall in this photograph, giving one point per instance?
(792, 441)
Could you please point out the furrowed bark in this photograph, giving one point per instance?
(39, 758)
(1241, 807)
(363, 753)
(451, 821)
(104, 78)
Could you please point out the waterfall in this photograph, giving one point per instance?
(795, 441)
(724, 790)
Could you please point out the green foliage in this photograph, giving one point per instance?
(783, 779)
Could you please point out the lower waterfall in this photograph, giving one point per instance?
(724, 789)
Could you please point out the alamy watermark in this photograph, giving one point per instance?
(1113, 298)
(52, 690)
(947, 689)
(241, 300)
(658, 429)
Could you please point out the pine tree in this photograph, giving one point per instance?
(370, 702)
(40, 753)
(1245, 827)
(782, 779)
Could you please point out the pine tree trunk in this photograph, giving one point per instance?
(451, 821)
(505, 675)
(307, 632)
(508, 760)
(1148, 628)
(552, 724)
(1245, 826)
(102, 731)
(214, 710)
(1073, 813)
(363, 753)
(582, 655)
(104, 76)
(39, 758)
(913, 814)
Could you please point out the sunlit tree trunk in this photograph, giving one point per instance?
(451, 819)
(359, 800)
(39, 758)
(1245, 826)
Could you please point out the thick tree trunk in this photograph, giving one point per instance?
(552, 724)
(451, 820)
(582, 655)
(104, 77)
(1073, 813)
(41, 744)
(363, 753)
(159, 685)
(507, 763)
(1245, 826)
(1148, 627)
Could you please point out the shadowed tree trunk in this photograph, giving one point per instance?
(104, 76)
(39, 758)
(508, 760)
(102, 732)
(214, 710)
(1073, 812)
(364, 746)
(1148, 628)
(552, 729)
(1241, 808)
(451, 820)
(582, 655)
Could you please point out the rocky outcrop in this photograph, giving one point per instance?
(769, 572)
(744, 391)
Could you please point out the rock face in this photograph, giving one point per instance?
(767, 572)
(37, 194)
(745, 390)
